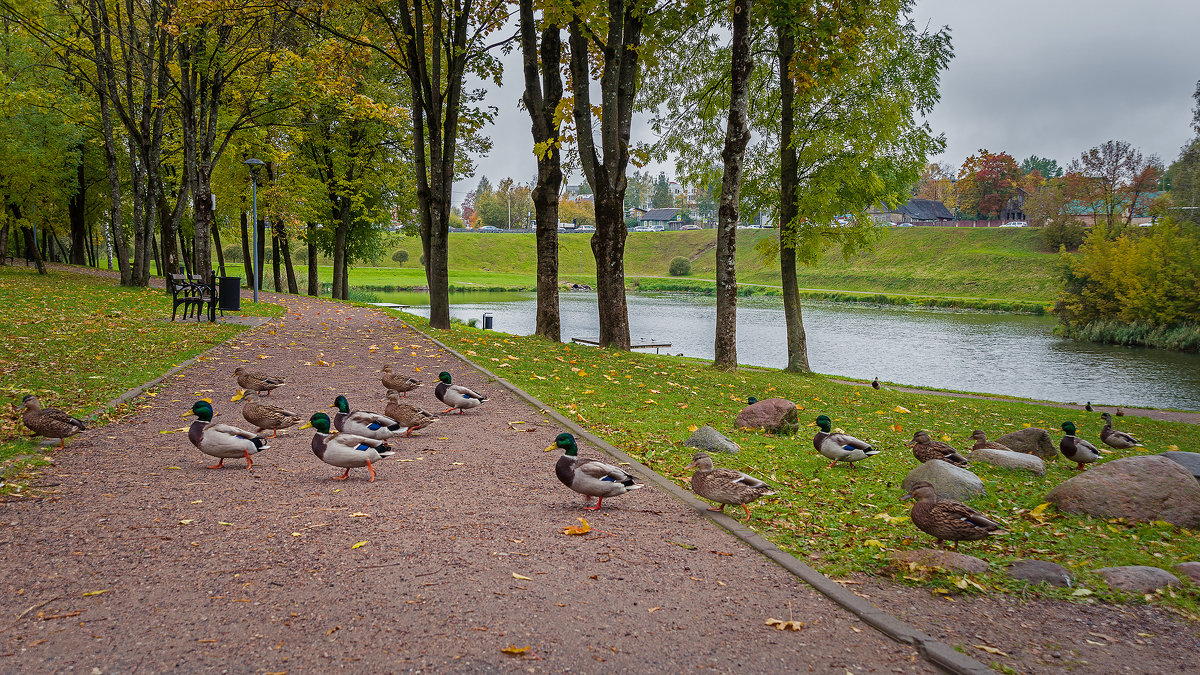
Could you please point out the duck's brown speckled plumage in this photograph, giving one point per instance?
(926, 449)
(395, 382)
(725, 486)
(406, 415)
(1116, 439)
(948, 520)
(49, 422)
(982, 442)
(266, 416)
(257, 381)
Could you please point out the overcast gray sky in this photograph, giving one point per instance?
(1051, 78)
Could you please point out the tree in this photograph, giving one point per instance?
(986, 182)
(1046, 167)
(662, 193)
(937, 183)
(1107, 171)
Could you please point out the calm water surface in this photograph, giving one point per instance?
(969, 351)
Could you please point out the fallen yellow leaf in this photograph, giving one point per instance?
(785, 625)
(897, 427)
(901, 409)
(582, 528)
(692, 427)
(990, 650)
(90, 593)
(513, 649)
(360, 514)
(359, 545)
(238, 396)
(187, 521)
(222, 522)
(522, 577)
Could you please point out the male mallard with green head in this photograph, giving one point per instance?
(266, 416)
(222, 440)
(1075, 448)
(362, 422)
(49, 422)
(926, 449)
(1114, 438)
(457, 397)
(397, 383)
(407, 416)
(840, 447)
(346, 451)
(725, 486)
(946, 519)
(589, 477)
(256, 381)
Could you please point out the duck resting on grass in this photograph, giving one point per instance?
(926, 449)
(946, 519)
(257, 382)
(1075, 448)
(875, 383)
(725, 486)
(840, 447)
(457, 397)
(396, 383)
(589, 477)
(222, 440)
(49, 422)
(362, 422)
(407, 416)
(346, 451)
(1116, 439)
(982, 442)
(265, 416)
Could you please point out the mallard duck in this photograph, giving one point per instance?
(1075, 448)
(266, 416)
(222, 440)
(982, 442)
(589, 477)
(840, 447)
(362, 422)
(751, 400)
(257, 381)
(946, 519)
(875, 383)
(49, 422)
(1120, 413)
(347, 451)
(458, 398)
(926, 449)
(1088, 406)
(396, 383)
(406, 415)
(725, 486)
(1114, 438)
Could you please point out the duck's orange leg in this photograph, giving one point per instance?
(343, 476)
(599, 503)
(217, 465)
(371, 469)
(249, 462)
(747, 508)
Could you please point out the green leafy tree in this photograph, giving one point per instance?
(1046, 167)
(662, 193)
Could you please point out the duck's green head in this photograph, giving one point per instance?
(203, 410)
(444, 377)
(752, 400)
(825, 423)
(566, 442)
(1069, 428)
(319, 421)
(341, 404)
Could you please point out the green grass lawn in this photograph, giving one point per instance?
(78, 341)
(839, 519)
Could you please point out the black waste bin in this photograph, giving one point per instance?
(487, 320)
(229, 294)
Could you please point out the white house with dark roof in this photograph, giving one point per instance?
(671, 219)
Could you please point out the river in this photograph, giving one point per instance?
(1004, 354)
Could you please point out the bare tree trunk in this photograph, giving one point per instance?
(260, 255)
(313, 282)
(216, 235)
(247, 261)
(158, 268)
(3, 244)
(339, 246)
(797, 345)
(275, 259)
(77, 214)
(286, 252)
(31, 247)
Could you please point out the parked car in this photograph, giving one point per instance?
(489, 228)
(747, 226)
(690, 227)
(585, 228)
(655, 228)
(1015, 223)
(641, 228)
(904, 224)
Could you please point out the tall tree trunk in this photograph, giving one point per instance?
(314, 288)
(32, 249)
(339, 248)
(3, 244)
(797, 345)
(275, 259)
(216, 235)
(737, 135)
(184, 254)
(101, 37)
(260, 255)
(77, 215)
(247, 261)
(158, 268)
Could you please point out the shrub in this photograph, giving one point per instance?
(300, 254)
(422, 260)
(680, 267)
(400, 257)
(1062, 230)
(233, 253)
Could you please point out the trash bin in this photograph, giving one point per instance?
(487, 320)
(229, 294)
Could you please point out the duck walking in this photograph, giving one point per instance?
(362, 422)
(397, 383)
(840, 447)
(257, 381)
(457, 397)
(266, 416)
(49, 422)
(725, 486)
(1075, 448)
(1114, 438)
(222, 440)
(946, 519)
(407, 416)
(346, 451)
(926, 449)
(589, 477)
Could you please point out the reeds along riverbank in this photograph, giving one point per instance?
(1181, 338)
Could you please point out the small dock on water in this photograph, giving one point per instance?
(633, 344)
(388, 305)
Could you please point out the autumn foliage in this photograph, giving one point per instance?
(986, 181)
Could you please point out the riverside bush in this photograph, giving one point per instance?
(680, 267)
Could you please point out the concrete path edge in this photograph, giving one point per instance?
(936, 652)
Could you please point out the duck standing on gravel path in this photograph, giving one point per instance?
(407, 416)
(589, 477)
(926, 449)
(946, 519)
(394, 382)
(457, 397)
(222, 440)
(265, 416)
(838, 446)
(1116, 439)
(345, 450)
(49, 422)
(1075, 448)
(725, 486)
(257, 382)
(362, 422)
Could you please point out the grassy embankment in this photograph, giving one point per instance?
(982, 268)
(843, 520)
(79, 341)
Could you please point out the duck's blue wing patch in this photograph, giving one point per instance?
(362, 447)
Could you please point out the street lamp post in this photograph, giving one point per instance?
(255, 165)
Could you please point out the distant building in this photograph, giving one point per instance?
(671, 219)
(915, 211)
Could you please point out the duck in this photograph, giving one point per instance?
(1075, 448)
(875, 383)
(457, 397)
(589, 477)
(1120, 413)
(406, 415)
(926, 449)
(1088, 406)
(266, 416)
(1114, 438)
(396, 383)
(347, 451)
(257, 382)
(725, 486)
(946, 519)
(982, 442)
(222, 440)
(751, 400)
(840, 447)
(49, 422)
(362, 422)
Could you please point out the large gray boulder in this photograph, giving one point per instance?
(1032, 441)
(950, 482)
(777, 415)
(1188, 460)
(946, 560)
(1040, 571)
(1137, 578)
(710, 440)
(1191, 570)
(1009, 460)
(1138, 488)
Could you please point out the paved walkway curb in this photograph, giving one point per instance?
(936, 652)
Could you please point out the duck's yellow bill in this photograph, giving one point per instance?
(306, 425)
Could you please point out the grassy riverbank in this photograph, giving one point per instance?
(847, 521)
